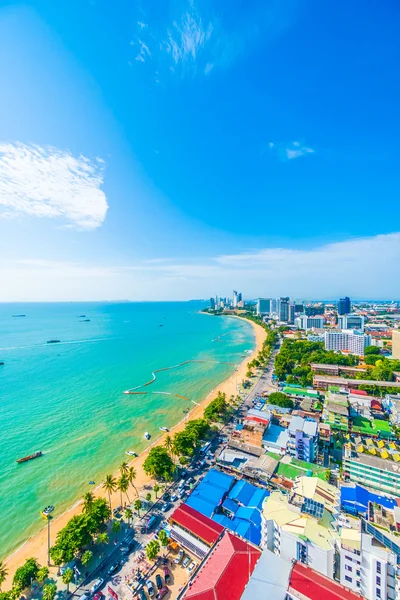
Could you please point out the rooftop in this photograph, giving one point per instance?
(226, 572)
(201, 526)
(308, 584)
(331, 379)
(270, 578)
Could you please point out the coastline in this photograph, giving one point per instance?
(36, 545)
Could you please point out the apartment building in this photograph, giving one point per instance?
(351, 321)
(377, 472)
(349, 340)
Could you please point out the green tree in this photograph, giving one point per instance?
(148, 497)
(159, 464)
(88, 500)
(124, 468)
(56, 554)
(131, 475)
(199, 429)
(103, 540)
(85, 560)
(168, 444)
(26, 574)
(138, 505)
(3, 573)
(217, 408)
(156, 489)
(49, 591)
(6, 596)
(110, 485)
(163, 538)
(128, 515)
(42, 574)
(184, 443)
(280, 399)
(123, 486)
(372, 350)
(152, 549)
(67, 578)
(116, 528)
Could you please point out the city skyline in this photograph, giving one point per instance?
(163, 152)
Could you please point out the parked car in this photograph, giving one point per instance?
(142, 594)
(181, 494)
(98, 596)
(150, 587)
(159, 582)
(179, 558)
(174, 498)
(85, 596)
(96, 585)
(162, 593)
(191, 567)
(165, 507)
(186, 561)
(167, 576)
(114, 568)
(190, 480)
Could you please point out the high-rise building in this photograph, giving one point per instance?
(305, 322)
(396, 343)
(312, 310)
(283, 309)
(344, 306)
(263, 306)
(351, 321)
(212, 303)
(234, 299)
(351, 340)
(274, 305)
(292, 309)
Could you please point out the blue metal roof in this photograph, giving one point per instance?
(242, 492)
(222, 480)
(354, 499)
(258, 498)
(230, 505)
(201, 505)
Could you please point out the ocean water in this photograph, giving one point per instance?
(67, 400)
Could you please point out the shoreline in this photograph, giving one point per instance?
(36, 545)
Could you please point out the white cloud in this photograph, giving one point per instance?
(48, 182)
(142, 25)
(362, 268)
(291, 150)
(144, 52)
(188, 37)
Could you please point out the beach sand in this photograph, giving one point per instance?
(36, 546)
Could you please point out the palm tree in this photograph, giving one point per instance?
(124, 468)
(163, 538)
(3, 573)
(116, 528)
(49, 591)
(85, 560)
(131, 475)
(67, 577)
(138, 505)
(156, 489)
(88, 500)
(128, 515)
(42, 574)
(148, 497)
(168, 443)
(123, 486)
(102, 539)
(152, 549)
(110, 485)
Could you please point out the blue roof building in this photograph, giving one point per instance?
(210, 492)
(354, 500)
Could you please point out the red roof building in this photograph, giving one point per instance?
(358, 392)
(226, 572)
(205, 529)
(307, 584)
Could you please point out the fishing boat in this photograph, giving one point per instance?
(147, 435)
(1, 362)
(130, 453)
(30, 457)
(92, 482)
(53, 341)
(46, 511)
(164, 429)
(18, 316)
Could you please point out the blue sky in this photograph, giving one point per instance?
(178, 149)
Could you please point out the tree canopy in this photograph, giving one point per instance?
(24, 575)
(280, 399)
(216, 409)
(159, 464)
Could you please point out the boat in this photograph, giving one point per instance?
(46, 511)
(82, 316)
(53, 341)
(30, 457)
(164, 429)
(1, 362)
(18, 316)
(130, 453)
(91, 482)
(147, 435)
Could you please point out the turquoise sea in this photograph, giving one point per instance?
(66, 399)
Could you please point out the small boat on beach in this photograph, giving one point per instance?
(164, 429)
(147, 435)
(46, 511)
(91, 482)
(130, 453)
(30, 457)
(53, 341)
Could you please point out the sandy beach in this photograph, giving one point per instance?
(36, 546)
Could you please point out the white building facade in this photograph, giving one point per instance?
(305, 322)
(350, 340)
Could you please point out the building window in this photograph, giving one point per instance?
(348, 558)
(378, 580)
(347, 578)
(348, 568)
(378, 592)
(378, 567)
